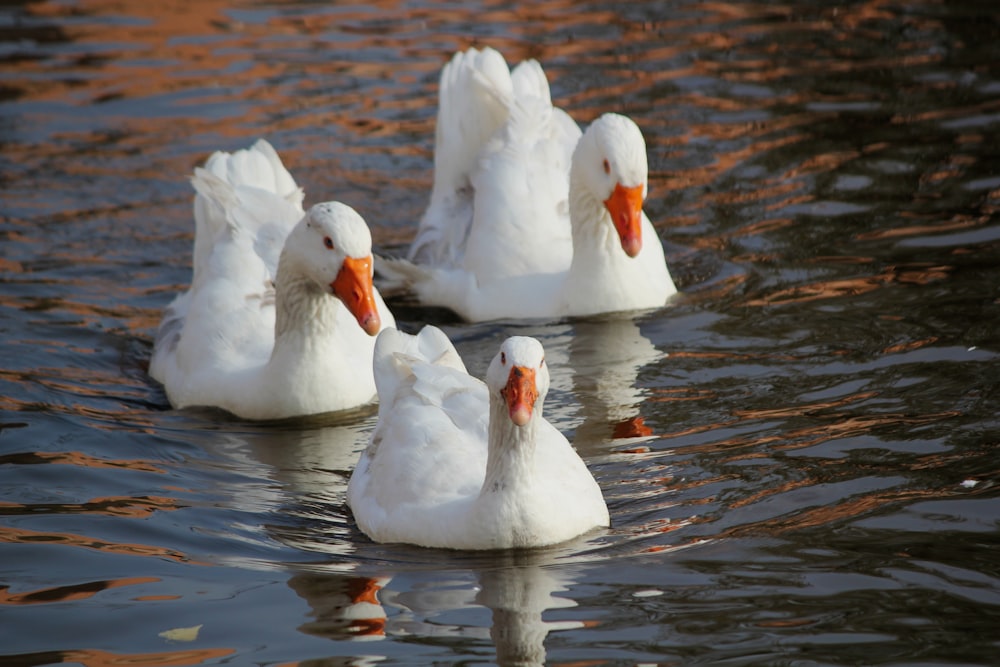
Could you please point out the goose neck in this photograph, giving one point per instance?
(302, 307)
(510, 450)
(593, 233)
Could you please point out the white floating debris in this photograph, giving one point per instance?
(648, 593)
(182, 634)
(970, 483)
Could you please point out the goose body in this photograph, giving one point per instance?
(529, 217)
(457, 463)
(281, 314)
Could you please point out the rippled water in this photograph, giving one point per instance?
(799, 453)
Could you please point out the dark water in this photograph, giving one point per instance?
(799, 454)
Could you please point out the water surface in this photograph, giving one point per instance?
(799, 452)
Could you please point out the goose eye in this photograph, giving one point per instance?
(328, 242)
(542, 363)
(503, 358)
(607, 167)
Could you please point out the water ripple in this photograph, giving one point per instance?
(798, 452)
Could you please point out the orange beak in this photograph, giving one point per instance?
(625, 207)
(353, 286)
(520, 394)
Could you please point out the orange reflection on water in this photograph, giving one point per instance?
(151, 34)
(62, 397)
(78, 459)
(831, 424)
(123, 506)
(847, 427)
(342, 607)
(704, 176)
(910, 345)
(964, 110)
(11, 535)
(868, 504)
(956, 223)
(633, 427)
(731, 356)
(833, 289)
(804, 409)
(856, 425)
(69, 593)
(90, 314)
(95, 658)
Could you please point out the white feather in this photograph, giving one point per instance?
(446, 466)
(518, 194)
(233, 340)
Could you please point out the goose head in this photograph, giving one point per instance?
(333, 247)
(610, 160)
(519, 376)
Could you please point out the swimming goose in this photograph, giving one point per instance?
(527, 216)
(459, 464)
(281, 314)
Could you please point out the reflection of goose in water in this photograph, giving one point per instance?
(313, 467)
(342, 606)
(291, 479)
(313, 460)
(606, 356)
(300, 473)
(516, 587)
(350, 601)
(518, 594)
(596, 362)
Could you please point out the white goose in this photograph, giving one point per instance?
(455, 463)
(527, 218)
(281, 314)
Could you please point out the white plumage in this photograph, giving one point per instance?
(528, 217)
(456, 463)
(281, 313)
